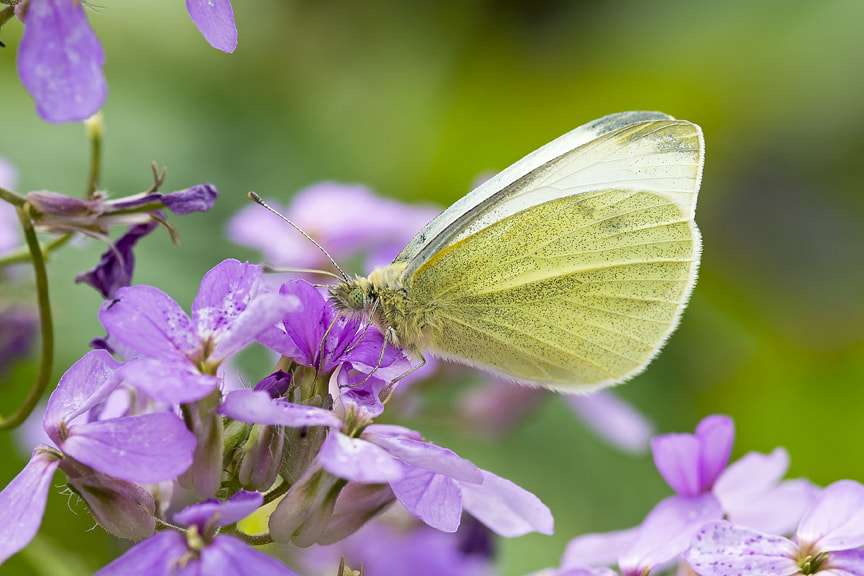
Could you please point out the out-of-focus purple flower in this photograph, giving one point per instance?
(201, 550)
(101, 458)
(346, 219)
(179, 355)
(17, 328)
(60, 60)
(659, 540)
(829, 540)
(613, 419)
(58, 213)
(749, 491)
(300, 336)
(215, 21)
(494, 406)
(116, 265)
(9, 226)
(397, 546)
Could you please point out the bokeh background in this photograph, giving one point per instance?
(416, 99)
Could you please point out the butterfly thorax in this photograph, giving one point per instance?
(385, 297)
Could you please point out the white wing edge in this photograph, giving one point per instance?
(561, 145)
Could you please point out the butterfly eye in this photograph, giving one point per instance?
(356, 299)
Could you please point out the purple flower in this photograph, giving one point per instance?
(60, 61)
(749, 491)
(115, 267)
(215, 21)
(58, 213)
(300, 336)
(346, 219)
(101, 458)
(694, 465)
(829, 540)
(658, 541)
(201, 550)
(17, 328)
(178, 355)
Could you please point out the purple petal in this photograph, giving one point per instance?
(716, 434)
(598, 549)
(835, 521)
(844, 563)
(227, 556)
(506, 508)
(752, 496)
(159, 555)
(199, 198)
(750, 476)
(676, 457)
(225, 292)
(433, 498)
(147, 448)
(60, 61)
(215, 21)
(723, 549)
(83, 386)
(359, 392)
(299, 335)
(22, 503)
(261, 314)
(419, 454)
(172, 382)
(392, 431)
(275, 385)
(111, 273)
(237, 507)
(358, 460)
(667, 530)
(613, 419)
(150, 322)
(256, 407)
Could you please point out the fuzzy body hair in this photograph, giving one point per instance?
(405, 321)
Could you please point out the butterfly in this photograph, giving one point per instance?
(567, 270)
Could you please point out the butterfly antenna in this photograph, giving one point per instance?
(256, 198)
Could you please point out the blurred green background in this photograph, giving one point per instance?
(416, 99)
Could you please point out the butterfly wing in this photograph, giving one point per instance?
(574, 274)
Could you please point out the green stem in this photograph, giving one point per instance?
(12, 197)
(23, 255)
(95, 130)
(47, 327)
(253, 539)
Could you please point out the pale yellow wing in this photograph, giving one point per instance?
(575, 293)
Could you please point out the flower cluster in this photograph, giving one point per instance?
(142, 438)
(730, 520)
(60, 59)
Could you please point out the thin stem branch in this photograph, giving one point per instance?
(12, 197)
(23, 255)
(253, 539)
(46, 324)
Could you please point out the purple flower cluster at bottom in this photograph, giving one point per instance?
(730, 520)
(139, 435)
